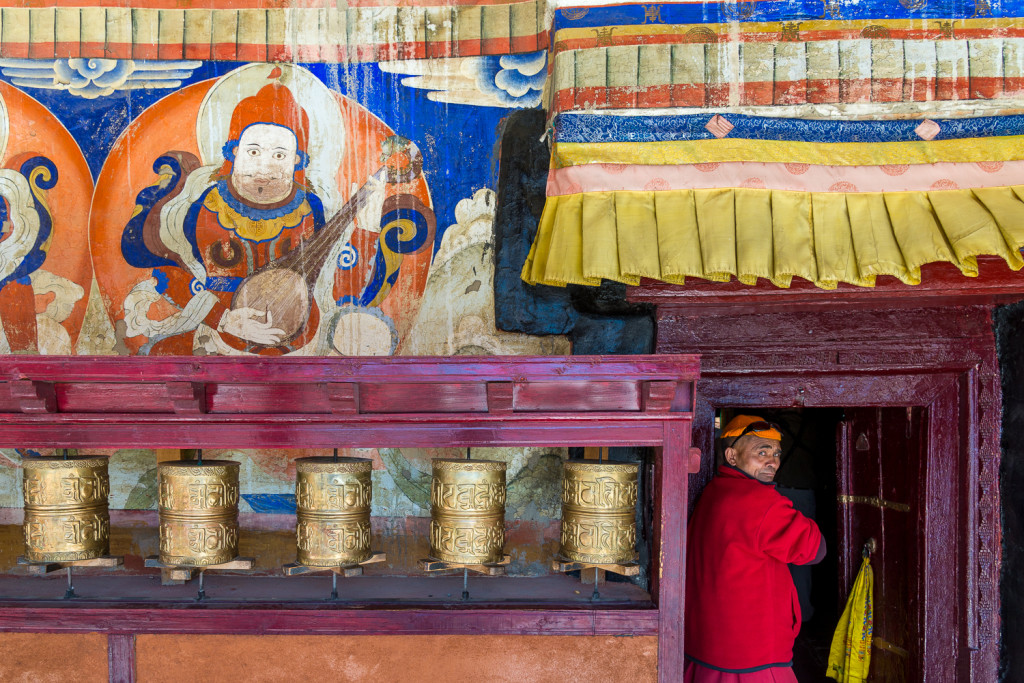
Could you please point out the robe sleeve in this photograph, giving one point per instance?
(178, 289)
(787, 535)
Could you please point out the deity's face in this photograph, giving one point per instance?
(264, 165)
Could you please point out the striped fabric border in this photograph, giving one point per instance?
(781, 10)
(789, 177)
(573, 38)
(727, 150)
(649, 128)
(707, 73)
(353, 34)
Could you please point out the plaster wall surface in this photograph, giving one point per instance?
(500, 659)
(53, 658)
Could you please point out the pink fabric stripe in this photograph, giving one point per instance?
(797, 177)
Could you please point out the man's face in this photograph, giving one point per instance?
(755, 455)
(264, 164)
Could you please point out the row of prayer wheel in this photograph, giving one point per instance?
(66, 516)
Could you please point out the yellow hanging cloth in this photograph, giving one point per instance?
(850, 656)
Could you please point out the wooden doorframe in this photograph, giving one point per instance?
(950, 639)
(942, 360)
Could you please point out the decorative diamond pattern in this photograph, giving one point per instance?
(718, 126)
(927, 130)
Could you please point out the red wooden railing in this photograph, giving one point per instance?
(368, 402)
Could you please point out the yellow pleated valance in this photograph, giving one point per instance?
(823, 237)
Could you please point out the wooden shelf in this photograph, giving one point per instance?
(220, 402)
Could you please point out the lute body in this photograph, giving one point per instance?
(284, 288)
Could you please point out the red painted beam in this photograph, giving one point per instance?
(326, 621)
(942, 284)
(447, 369)
(292, 431)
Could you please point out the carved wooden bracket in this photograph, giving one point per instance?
(499, 397)
(189, 398)
(33, 396)
(657, 396)
(693, 461)
(344, 398)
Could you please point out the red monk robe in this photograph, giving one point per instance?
(742, 612)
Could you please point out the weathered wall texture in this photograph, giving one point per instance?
(502, 659)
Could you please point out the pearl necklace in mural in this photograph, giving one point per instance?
(252, 223)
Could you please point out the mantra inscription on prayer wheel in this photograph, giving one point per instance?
(332, 499)
(198, 512)
(599, 512)
(467, 511)
(66, 516)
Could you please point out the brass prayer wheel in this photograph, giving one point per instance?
(599, 512)
(332, 499)
(66, 516)
(467, 511)
(198, 504)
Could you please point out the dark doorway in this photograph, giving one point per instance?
(858, 472)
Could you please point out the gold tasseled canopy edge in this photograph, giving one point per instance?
(823, 237)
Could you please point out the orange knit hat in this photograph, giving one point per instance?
(738, 425)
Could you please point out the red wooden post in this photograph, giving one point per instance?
(121, 658)
(670, 549)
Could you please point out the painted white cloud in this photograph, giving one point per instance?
(507, 81)
(93, 78)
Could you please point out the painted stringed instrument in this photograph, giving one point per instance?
(283, 289)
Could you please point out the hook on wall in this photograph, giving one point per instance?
(870, 546)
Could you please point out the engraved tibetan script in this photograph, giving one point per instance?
(333, 537)
(455, 496)
(210, 537)
(86, 489)
(467, 540)
(599, 537)
(604, 492)
(78, 530)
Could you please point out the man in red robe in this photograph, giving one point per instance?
(742, 611)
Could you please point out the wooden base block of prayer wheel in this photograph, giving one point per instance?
(489, 568)
(561, 564)
(346, 571)
(43, 568)
(173, 575)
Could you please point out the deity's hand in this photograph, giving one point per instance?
(252, 325)
(368, 213)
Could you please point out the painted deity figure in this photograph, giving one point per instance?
(247, 252)
(26, 232)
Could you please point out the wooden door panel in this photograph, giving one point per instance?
(881, 481)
